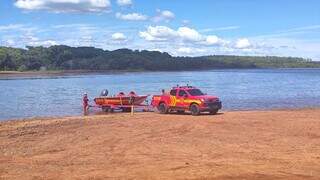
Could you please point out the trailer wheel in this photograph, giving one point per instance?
(213, 112)
(126, 109)
(180, 111)
(162, 108)
(195, 110)
(105, 108)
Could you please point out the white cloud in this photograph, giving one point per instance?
(165, 15)
(149, 37)
(9, 43)
(185, 22)
(48, 43)
(29, 38)
(124, 2)
(11, 27)
(168, 14)
(132, 17)
(62, 26)
(213, 40)
(186, 50)
(189, 34)
(59, 6)
(25, 28)
(226, 28)
(182, 34)
(38, 42)
(118, 37)
(158, 33)
(186, 40)
(292, 32)
(243, 43)
(190, 51)
(176, 41)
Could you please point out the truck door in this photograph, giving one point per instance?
(181, 98)
(173, 98)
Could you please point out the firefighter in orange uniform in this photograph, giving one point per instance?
(85, 101)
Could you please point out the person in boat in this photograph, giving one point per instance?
(132, 93)
(121, 94)
(85, 101)
(132, 96)
(104, 93)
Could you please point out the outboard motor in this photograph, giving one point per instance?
(104, 93)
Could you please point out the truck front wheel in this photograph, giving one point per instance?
(162, 108)
(195, 110)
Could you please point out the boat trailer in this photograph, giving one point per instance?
(118, 104)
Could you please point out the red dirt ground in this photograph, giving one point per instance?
(283, 144)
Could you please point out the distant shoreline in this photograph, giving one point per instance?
(57, 73)
(80, 72)
(90, 58)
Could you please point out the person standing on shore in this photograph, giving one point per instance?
(85, 102)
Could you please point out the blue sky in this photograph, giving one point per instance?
(184, 28)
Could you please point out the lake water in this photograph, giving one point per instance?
(238, 89)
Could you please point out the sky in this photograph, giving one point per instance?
(179, 27)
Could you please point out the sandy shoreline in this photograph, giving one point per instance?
(280, 144)
(24, 74)
(41, 74)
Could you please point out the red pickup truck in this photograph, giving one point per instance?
(186, 98)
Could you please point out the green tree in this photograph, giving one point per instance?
(6, 63)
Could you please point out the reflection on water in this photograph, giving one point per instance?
(238, 89)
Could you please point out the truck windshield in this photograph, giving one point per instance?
(195, 92)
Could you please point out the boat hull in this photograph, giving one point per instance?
(119, 101)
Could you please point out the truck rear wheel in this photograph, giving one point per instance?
(195, 110)
(162, 108)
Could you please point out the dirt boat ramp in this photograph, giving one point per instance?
(279, 144)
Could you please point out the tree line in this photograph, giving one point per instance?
(63, 57)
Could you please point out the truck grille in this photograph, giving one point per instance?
(214, 104)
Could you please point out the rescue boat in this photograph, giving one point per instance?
(119, 100)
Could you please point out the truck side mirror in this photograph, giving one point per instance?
(185, 96)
